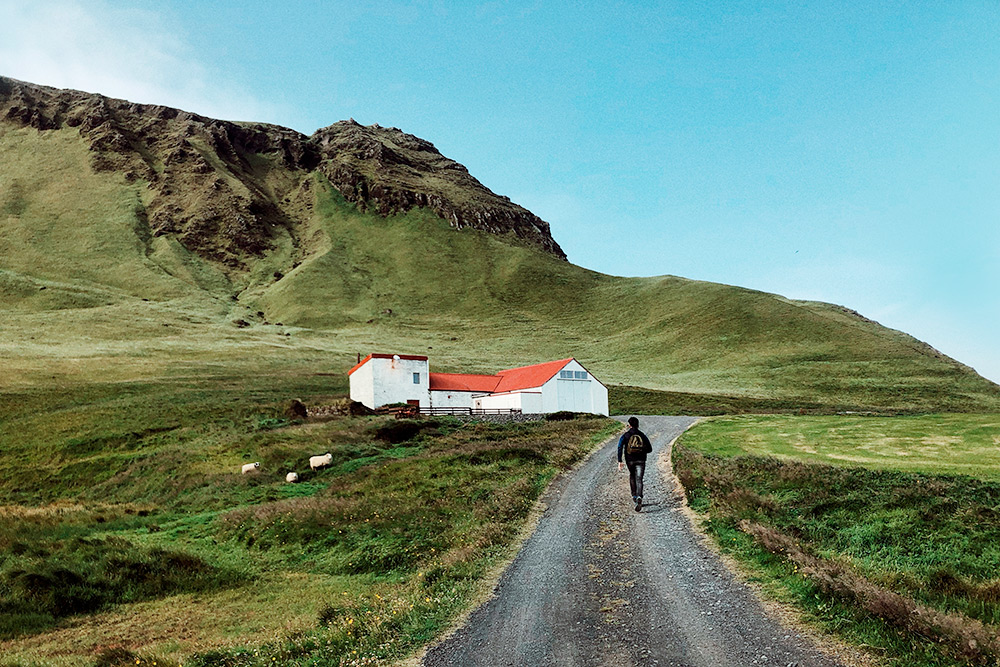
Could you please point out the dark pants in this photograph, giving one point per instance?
(636, 469)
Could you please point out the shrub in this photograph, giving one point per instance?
(116, 657)
(328, 614)
(562, 415)
(395, 432)
(296, 409)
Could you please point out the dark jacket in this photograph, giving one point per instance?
(633, 457)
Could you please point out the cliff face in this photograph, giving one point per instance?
(224, 189)
(387, 170)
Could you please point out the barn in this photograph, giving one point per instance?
(382, 379)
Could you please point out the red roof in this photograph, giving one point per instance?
(463, 382)
(528, 377)
(512, 379)
(408, 357)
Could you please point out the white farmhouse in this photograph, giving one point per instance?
(381, 379)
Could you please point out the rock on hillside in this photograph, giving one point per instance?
(224, 189)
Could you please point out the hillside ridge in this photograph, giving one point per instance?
(225, 188)
(136, 235)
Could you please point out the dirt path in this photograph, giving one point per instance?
(599, 584)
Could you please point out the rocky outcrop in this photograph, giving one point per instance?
(226, 189)
(388, 170)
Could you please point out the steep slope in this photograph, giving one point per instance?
(230, 191)
(129, 231)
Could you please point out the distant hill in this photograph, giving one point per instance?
(177, 233)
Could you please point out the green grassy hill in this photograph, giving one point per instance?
(133, 238)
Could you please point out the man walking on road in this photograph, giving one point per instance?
(634, 445)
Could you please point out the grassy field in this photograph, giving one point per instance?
(942, 444)
(884, 530)
(128, 534)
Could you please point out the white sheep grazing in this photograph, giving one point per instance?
(292, 477)
(250, 467)
(320, 461)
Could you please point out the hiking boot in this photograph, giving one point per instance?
(638, 503)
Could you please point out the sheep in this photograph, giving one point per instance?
(250, 467)
(316, 462)
(292, 477)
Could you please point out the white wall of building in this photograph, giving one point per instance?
(599, 398)
(383, 381)
(531, 402)
(363, 385)
(451, 399)
(580, 393)
(528, 402)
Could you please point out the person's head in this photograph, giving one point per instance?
(633, 422)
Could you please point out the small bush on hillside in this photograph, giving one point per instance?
(296, 409)
(564, 415)
(116, 657)
(395, 432)
(328, 614)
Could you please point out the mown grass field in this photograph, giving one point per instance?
(128, 534)
(940, 444)
(883, 530)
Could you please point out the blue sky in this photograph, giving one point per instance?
(844, 152)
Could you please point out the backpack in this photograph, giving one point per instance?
(635, 445)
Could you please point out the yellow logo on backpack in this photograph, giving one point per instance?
(635, 445)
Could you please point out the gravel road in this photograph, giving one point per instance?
(600, 584)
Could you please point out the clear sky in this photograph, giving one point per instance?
(840, 151)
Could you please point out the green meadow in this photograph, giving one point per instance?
(128, 534)
(935, 444)
(885, 531)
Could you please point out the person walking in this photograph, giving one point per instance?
(634, 445)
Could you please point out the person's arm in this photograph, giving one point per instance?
(621, 444)
(649, 445)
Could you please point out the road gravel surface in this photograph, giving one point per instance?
(598, 584)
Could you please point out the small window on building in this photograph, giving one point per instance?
(580, 375)
(566, 375)
(416, 378)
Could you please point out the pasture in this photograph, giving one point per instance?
(128, 534)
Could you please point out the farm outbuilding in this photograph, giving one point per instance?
(382, 379)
